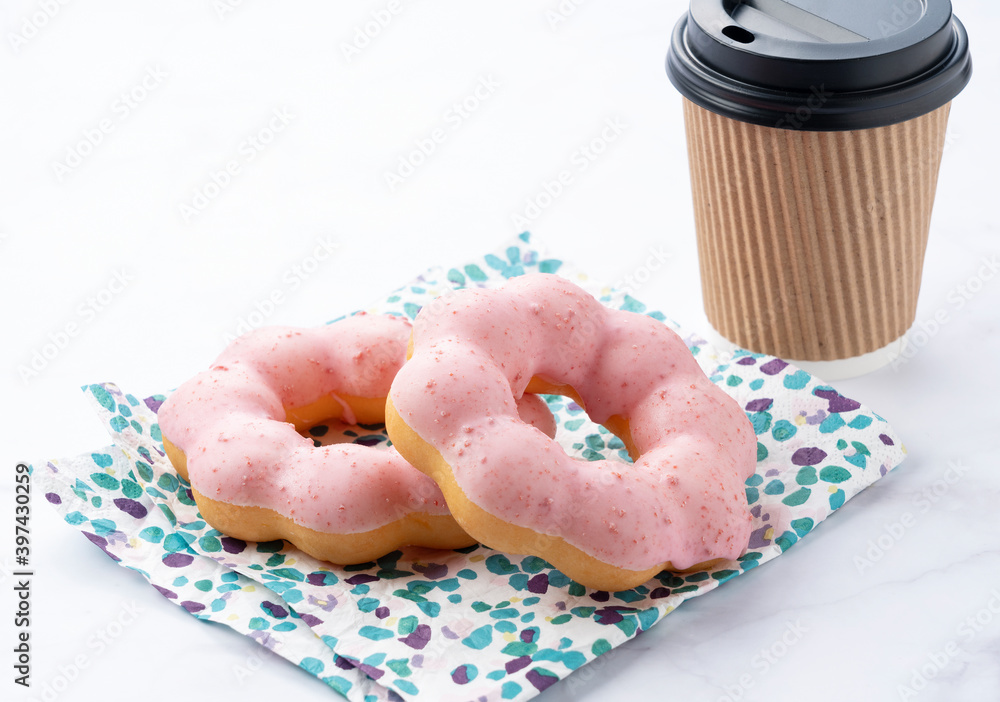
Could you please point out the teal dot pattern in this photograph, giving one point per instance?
(470, 624)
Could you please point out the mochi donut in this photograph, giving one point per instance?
(233, 432)
(451, 412)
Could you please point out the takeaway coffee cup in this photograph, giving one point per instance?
(815, 132)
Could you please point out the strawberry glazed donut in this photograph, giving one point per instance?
(451, 413)
(233, 432)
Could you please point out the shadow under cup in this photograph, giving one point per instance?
(814, 145)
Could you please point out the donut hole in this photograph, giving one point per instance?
(580, 436)
(325, 421)
(335, 431)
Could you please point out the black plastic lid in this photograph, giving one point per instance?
(820, 65)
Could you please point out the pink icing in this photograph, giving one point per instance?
(229, 422)
(682, 501)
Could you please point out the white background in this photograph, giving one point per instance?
(216, 73)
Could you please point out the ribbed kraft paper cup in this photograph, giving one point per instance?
(815, 133)
(811, 243)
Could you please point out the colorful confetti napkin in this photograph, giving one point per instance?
(473, 624)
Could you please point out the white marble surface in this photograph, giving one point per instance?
(214, 78)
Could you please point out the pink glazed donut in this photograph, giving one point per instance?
(233, 432)
(452, 413)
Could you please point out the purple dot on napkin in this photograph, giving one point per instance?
(418, 638)
(169, 594)
(808, 456)
(177, 560)
(130, 507)
(540, 680)
(539, 584)
(517, 664)
(310, 621)
(275, 610)
(773, 367)
(361, 579)
(432, 571)
(153, 404)
(838, 403)
(231, 545)
(760, 405)
(101, 543)
(345, 663)
(460, 675)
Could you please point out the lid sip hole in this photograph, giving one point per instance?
(739, 34)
